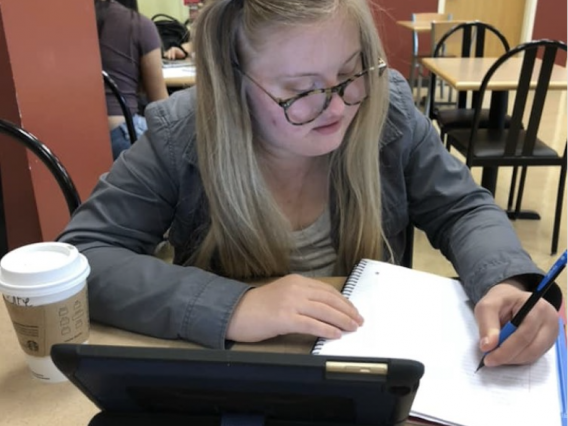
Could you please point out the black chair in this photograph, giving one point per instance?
(51, 162)
(109, 82)
(496, 146)
(408, 254)
(474, 35)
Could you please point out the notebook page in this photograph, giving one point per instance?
(416, 315)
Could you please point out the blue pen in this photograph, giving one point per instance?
(544, 285)
(561, 359)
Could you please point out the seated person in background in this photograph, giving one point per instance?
(174, 52)
(186, 49)
(130, 54)
(297, 154)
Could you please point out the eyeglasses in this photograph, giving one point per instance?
(307, 106)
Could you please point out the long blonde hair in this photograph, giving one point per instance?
(249, 236)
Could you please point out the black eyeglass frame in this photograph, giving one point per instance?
(329, 91)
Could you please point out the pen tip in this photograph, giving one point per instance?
(481, 365)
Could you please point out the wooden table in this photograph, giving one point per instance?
(179, 76)
(27, 401)
(416, 26)
(466, 74)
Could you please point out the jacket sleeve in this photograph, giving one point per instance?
(459, 217)
(118, 229)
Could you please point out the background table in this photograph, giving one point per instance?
(416, 26)
(179, 76)
(466, 74)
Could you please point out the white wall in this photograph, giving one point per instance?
(528, 24)
(174, 8)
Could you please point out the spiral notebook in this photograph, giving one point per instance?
(428, 318)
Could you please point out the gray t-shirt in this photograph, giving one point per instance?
(125, 37)
(314, 255)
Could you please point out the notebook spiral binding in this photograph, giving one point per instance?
(348, 289)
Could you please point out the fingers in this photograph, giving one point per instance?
(179, 54)
(327, 304)
(308, 325)
(489, 323)
(331, 296)
(535, 335)
(174, 53)
(312, 307)
(292, 304)
(334, 297)
(328, 314)
(531, 340)
(512, 348)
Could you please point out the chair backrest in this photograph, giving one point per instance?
(109, 82)
(426, 17)
(473, 37)
(53, 164)
(530, 65)
(48, 158)
(452, 46)
(473, 34)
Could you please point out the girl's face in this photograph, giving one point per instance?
(295, 60)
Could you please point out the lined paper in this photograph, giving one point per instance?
(421, 316)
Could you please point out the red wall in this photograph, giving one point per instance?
(50, 84)
(550, 22)
(396, 39)
(14, 170)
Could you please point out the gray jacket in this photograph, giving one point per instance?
(155, 186)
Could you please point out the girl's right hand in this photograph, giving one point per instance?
(292, 304)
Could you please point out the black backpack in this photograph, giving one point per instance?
(172, 32)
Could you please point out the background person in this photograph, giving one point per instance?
(130, 54)
(186, 49)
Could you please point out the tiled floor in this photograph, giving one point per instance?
(540, 195)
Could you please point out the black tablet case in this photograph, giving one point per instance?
(141, 386)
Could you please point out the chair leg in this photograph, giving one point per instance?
(445, 139)
(418, 85)
(520, 192)
(512, 189)
(558, 213)
(412, 74)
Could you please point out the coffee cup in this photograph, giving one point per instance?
(44, 289)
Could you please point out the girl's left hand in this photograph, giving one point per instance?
(536, 334)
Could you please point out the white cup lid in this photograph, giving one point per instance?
(41, 266)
